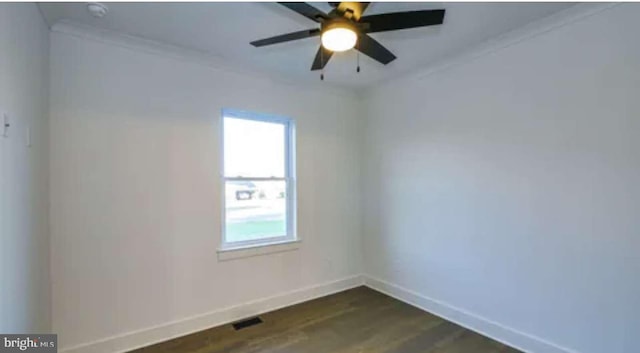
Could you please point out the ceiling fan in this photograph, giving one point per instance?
(345, 27)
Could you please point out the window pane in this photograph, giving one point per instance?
(255, 210)
(254, 148)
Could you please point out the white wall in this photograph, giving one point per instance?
(135, 192)
(503, 188)
(507, 186)
(24, 243)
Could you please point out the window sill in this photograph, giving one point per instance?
(231, 253)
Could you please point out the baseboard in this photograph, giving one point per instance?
(148, 336)
(511, 337)
(136, 339)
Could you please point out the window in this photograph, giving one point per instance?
(258, 178)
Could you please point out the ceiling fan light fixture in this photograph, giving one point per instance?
(344, 28)
(339, 38)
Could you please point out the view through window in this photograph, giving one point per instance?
(258, 179)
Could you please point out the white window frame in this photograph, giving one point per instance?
(289, 179)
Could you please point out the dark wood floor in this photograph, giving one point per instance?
(359, 320)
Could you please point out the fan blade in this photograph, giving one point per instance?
(357, 8)
(371, 48)
(322, 58)
(306, 10)
(287, 37)
(403, 20)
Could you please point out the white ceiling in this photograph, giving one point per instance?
(225, 30)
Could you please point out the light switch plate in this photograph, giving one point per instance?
(6, 124)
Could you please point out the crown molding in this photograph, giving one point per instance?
(539, 27)
(536, 28)
(162, 49)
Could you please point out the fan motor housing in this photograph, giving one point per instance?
(339, 23)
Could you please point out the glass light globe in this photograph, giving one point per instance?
(339, 39)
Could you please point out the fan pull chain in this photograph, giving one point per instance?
(358, 55)
(321, 63)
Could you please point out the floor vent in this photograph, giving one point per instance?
(246, 323)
